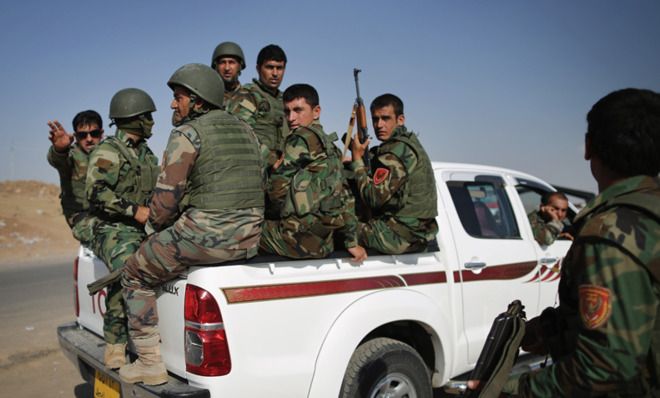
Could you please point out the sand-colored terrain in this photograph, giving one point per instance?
(32, 227)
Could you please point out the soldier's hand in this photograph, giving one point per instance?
(359, 254)
(565, 235)
(59, 137)
(358, 148)
(533, 339)
(278, 162)
(142, 214)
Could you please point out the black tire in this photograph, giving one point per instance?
(384, 365)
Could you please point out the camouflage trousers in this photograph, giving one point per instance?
(194, 239)
(293, 238)
(114, 243)
(389, 237)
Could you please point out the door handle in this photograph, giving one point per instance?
(549, 260)
(475, 265)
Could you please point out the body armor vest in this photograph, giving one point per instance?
(419, 196)
(140, 179)
(228, 171)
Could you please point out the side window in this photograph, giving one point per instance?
(531, 199)
(484, 209)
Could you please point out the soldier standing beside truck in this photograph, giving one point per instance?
(120, 178)
(604, 338)
(207, 207)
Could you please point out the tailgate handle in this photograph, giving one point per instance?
(475, 265)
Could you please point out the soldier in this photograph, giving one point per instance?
(228, 60)
(71, 162)
(604, 336)
(267, 108)
(122, 173)
(401, 194)
(207, 207)
(308, 189)
(547, 222)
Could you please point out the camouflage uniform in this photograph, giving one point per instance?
(311, 197)
(545, 233)
(240, 103)
(267, 119)
(207, 208)
(72, 168)
(401, 195)
(607, 324)
(121, 176)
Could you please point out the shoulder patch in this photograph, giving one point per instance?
(595, 305)
(103, 164)
(380, 175)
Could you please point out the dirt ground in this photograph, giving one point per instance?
(32, 227)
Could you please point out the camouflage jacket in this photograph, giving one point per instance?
(72, 169)
(609, 299)
(240, 103)
(310, 187)
(171, 196)
(267, 120)
(545, 233)
(387, 191)
(114, 188)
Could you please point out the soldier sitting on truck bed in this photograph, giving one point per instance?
(308, 190)
(71, 162)
(120, 178)
(401, 190)
(207, 207)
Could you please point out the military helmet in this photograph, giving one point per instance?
(130, 102)
(228, 48)
(201, 81)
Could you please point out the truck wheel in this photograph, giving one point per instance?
(384, 367)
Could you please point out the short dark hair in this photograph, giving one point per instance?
(271, 52)
(301, 90)
(547, 197)
(86, 118)
(624, 131)
(385, 100)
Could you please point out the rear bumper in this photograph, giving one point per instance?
(85, 350)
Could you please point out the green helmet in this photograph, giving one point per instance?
(130, 102)
(200, 80)
(228, 48)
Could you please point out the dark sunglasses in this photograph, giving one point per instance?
(81, 135)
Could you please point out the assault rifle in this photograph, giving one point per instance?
(499, 352)
(361, 115)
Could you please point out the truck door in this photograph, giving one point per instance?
(496, 265)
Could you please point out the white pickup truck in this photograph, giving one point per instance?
(396, 325)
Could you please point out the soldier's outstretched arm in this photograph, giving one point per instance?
(178, 161)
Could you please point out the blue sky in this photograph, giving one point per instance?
(505, 83)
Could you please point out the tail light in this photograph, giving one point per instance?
(76, 303)
(207, 351)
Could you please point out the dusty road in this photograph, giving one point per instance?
(34, 299)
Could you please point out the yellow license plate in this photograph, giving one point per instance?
(105, 386)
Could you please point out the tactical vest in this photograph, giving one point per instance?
(419, 196)
(228, 170)
(647, 203)
(319, 187)
(270, 126)
(140, 179)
